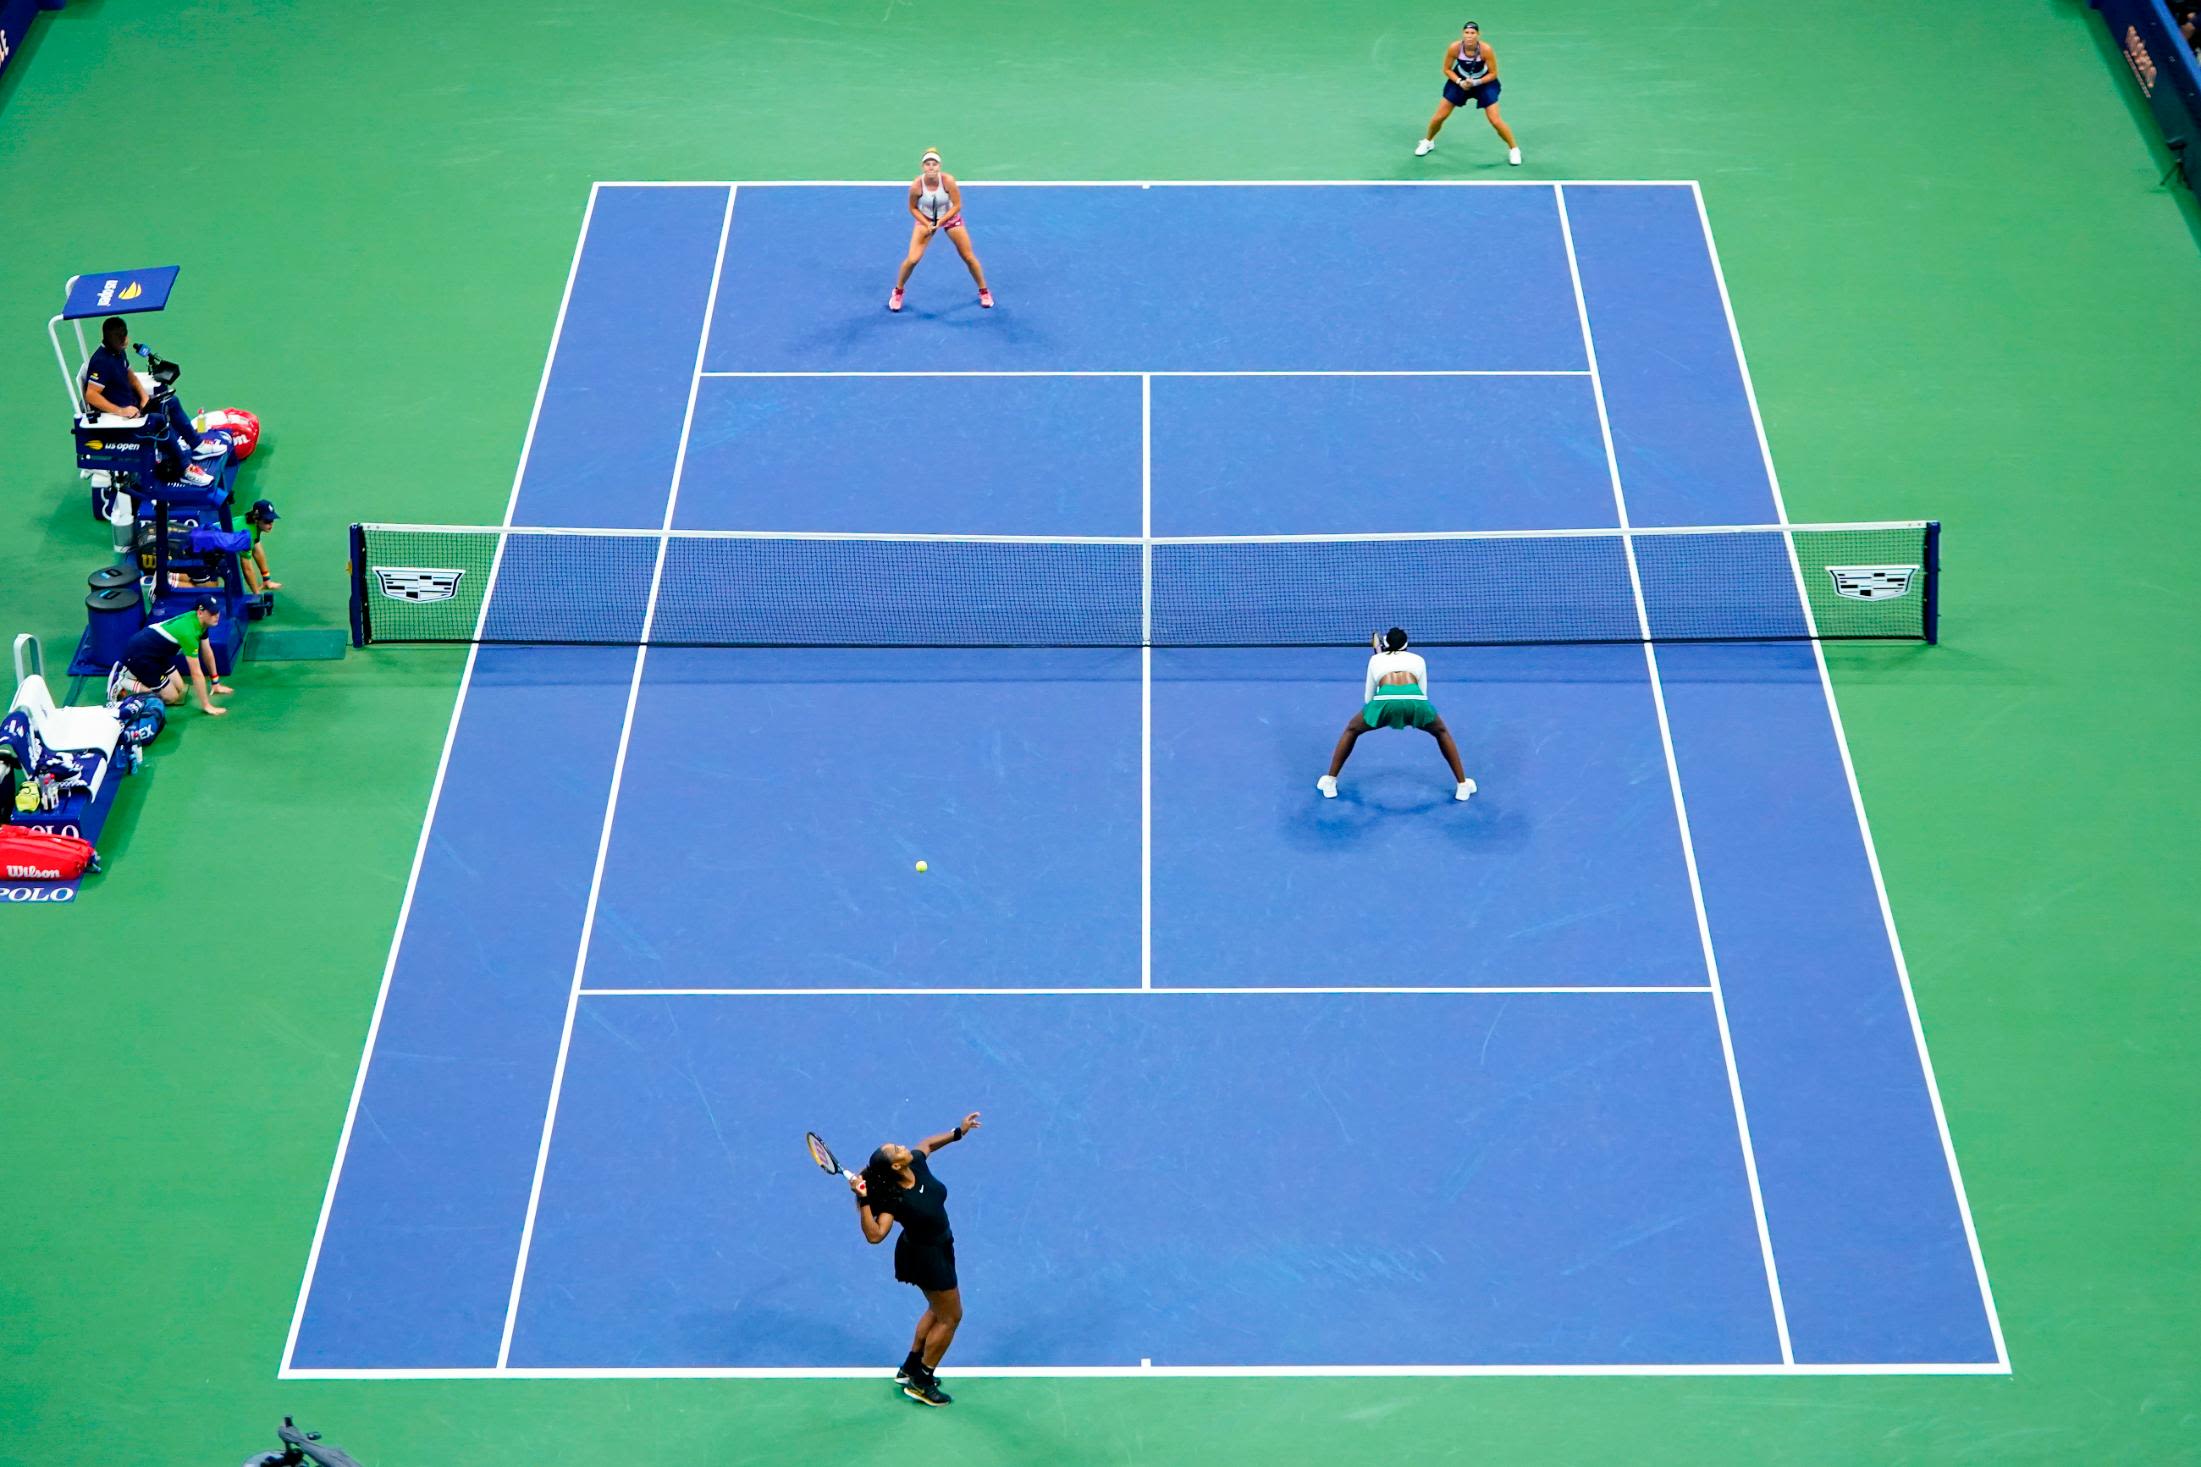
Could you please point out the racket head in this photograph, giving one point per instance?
(821, 1154)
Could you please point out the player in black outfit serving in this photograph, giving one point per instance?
(898, 1186)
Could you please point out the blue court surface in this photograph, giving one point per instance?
(1613, 1068)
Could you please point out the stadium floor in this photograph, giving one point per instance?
(378, 277)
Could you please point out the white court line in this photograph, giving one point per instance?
(1250, 372)
(435, 796)
(1746, 1369)
(1117, 1372)
(1151, 183)
(1857, 803)
(1232, 990)
(611, 808)
(1146, 681)
(1681, 808)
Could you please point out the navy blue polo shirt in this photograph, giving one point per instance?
(110, 371)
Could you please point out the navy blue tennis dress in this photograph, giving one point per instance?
(1471, 81)
(924, 1254)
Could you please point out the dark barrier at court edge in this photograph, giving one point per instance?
(15, 24)
(2164, 66)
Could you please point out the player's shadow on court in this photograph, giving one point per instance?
(1371, 806)
(853, 340)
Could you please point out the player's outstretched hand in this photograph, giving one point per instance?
(970, 1123)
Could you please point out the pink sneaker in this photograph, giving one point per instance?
(986, 299)
(894, 301)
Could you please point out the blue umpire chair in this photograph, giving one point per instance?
(181, 536)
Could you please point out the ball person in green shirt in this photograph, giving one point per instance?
(259, 520)
(149, 659)
(1396, 695)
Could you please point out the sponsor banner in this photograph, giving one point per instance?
(1872, 582)
(417, 584)
(32, 893)
(112, 449)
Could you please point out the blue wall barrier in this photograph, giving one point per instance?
(15, 24)
(2163, 64)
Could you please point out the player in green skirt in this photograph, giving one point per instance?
(1396, 695)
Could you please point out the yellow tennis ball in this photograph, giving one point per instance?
(920, 865)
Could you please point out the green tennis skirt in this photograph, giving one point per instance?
(1399, 705)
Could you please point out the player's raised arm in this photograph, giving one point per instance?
(948, 1138)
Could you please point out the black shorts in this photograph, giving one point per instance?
(1485, 95)
(148, 674)
(929, 1266)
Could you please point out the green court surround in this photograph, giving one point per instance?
(1961, 295)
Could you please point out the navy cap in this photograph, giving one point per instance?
(262, 513)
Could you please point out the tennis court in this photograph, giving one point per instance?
(1613, 1068)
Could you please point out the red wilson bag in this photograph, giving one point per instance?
(35, 855)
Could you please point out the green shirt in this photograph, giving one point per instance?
(184, 631)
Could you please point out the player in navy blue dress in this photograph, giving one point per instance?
(1470, 75)
(898, 1186)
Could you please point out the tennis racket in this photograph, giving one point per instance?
(822, 1154)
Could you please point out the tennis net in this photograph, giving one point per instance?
(697, 588)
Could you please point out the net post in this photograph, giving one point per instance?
(1932, 561)
(358, 569)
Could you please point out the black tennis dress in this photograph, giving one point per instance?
(924, 1254)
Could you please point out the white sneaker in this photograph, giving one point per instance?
(196, 477)
(208, 448)
(1465, 788)
(1425, 147)
(1328, 785)
(1513, 156)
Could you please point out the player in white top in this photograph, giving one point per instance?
(1396, 695)
(936, 204)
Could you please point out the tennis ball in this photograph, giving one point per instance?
(921, 866)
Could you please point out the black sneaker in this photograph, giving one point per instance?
(927, 1390)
